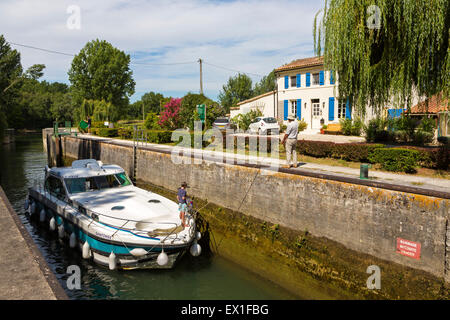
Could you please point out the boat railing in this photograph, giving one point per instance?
(95, 216)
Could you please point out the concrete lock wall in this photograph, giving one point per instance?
(366, 219)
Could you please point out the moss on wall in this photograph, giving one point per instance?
(300, 262)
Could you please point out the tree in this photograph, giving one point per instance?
(170, 118)
(188, 109)
(237, 89)
(101, 72)
(152, 102)
(407, 50)
(266, 84)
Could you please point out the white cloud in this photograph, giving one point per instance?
(252, 36)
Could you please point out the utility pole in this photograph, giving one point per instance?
(201, 76)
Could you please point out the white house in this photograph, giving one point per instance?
(306, 90)
(309, 92)
(265, 103)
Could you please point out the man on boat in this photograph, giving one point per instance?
(182, 205)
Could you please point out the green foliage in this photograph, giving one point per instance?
(351, 127)
(409, 51)
(244, 120)
(101, 72)
(396, 159)
(237, 89)
(302, 125)
(267, 84)
(376, 131)
(151, 122)
(358, 152)
(107, 132)
(188, 111)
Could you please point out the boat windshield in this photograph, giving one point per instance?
(78, 185)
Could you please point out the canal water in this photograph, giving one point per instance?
(203, 277)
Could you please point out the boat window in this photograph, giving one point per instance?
(123, 179)
(77, 185)
(55, 187)
(105, 182)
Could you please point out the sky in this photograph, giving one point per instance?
(165, 38)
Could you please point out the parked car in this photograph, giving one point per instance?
(265, 125)
(222, 123)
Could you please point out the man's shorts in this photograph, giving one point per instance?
(182, 207)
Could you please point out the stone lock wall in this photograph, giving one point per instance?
(366, 219)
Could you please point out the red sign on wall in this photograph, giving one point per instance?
(408, 248)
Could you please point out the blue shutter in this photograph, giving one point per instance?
(331, 109)
(331, 77)
(299, 109)
(286, 109)
(298, 81)
(286, 82)
(308, 79)
(322, 78)
(348, 109)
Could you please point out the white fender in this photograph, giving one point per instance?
(61, 231)
(138, 252)
(198, 235)
(162, 259)
(52, 224)
(73, 240)
(42, 215)
(86, 250)
(195, 249)
(112, 261)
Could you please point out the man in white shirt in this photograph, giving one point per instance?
(290, 142)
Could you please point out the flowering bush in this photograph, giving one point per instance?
(170, 118)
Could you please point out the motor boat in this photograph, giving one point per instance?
(97, 208)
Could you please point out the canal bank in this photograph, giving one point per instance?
(24, 273)
(208, 276)
(344, 222)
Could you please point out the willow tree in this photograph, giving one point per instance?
(385, 50)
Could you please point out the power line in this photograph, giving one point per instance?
(72, 55)
(233, 70)
(42, 49)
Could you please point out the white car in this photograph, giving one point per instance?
(265, 125)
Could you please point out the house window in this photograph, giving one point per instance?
(293, 81)
(316, 78)
(341, 109)
(294, 107)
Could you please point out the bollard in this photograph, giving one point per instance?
(364, 171)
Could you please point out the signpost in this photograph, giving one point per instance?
(201, 110)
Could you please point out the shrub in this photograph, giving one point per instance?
(320, 149)
(151, 121)
(302, 125)
(396, 159)
(346, 126)
(375, 131)
(125, 133)
(433, 158)
(107, 132)
(357, 152)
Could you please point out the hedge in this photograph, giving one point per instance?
(396, 159)
(357, 152)
(433, 158)
(106, 132)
